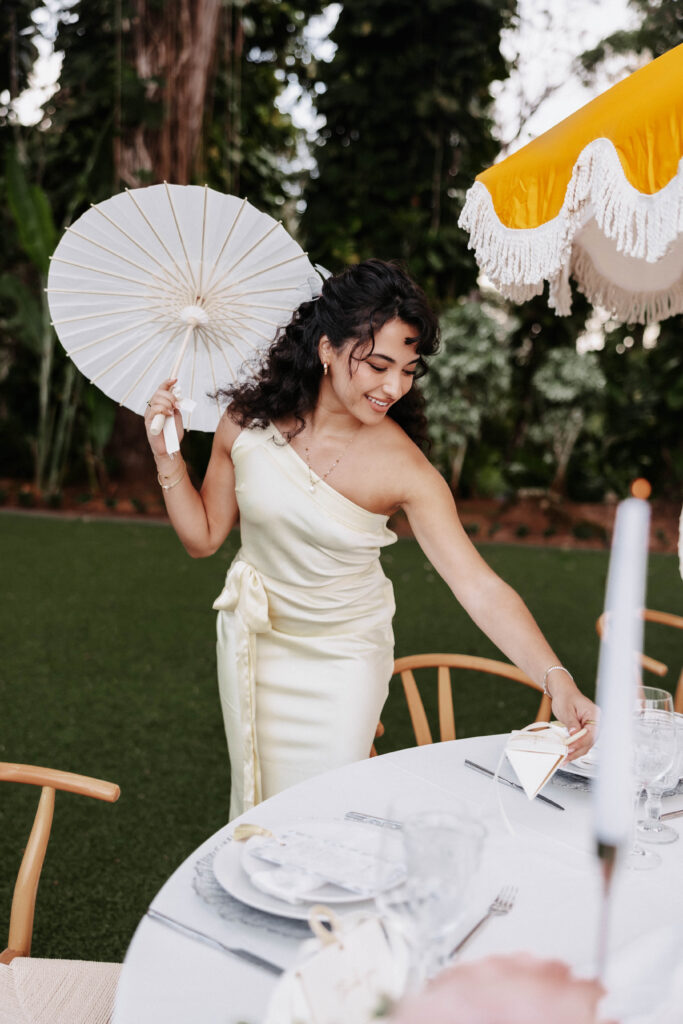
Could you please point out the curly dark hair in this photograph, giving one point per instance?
(352, 307)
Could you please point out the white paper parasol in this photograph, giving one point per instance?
(174, 281)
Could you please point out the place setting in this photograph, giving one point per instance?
(290, 866)
(374, 903)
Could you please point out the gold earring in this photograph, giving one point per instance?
(325, 369)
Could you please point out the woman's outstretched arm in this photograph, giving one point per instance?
(202, 519)
(495, 607)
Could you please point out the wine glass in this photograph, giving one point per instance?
(654, 750)
(443, 851)
(651, 828)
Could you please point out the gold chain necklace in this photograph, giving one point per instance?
(313, 480)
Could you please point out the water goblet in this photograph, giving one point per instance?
(443, 851)
(651, 828)
(654, 750)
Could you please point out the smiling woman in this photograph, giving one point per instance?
(313, 453)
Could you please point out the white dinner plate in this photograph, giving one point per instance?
(233, 864)
(585, 767)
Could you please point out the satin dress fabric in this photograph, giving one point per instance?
(305, 646)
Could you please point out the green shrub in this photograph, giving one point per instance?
(585, 530)
(26, 498)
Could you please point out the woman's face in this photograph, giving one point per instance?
(368, 386)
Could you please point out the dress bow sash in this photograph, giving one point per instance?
(242, 608)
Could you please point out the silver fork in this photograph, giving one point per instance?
(502, 904)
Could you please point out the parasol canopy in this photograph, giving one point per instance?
(174, 281)
(598, 197)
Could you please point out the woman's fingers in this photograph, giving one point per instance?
(580, 715)
(162, 401)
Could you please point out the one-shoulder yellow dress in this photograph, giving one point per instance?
(304, 636)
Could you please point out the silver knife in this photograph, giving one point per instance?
(509, 782)
(193, 933)
(672, 814)
(371, 819)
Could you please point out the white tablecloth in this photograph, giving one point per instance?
(171, 979)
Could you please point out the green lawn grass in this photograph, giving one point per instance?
(107, 668)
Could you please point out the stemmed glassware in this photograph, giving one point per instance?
(651, 829)
(442, 852)
(654, 752)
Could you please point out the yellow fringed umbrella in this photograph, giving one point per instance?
(598, 197)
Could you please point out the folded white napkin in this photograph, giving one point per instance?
(305, 861)
(286, 883)
(536, 752)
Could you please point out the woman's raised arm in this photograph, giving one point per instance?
(496, 608)
(202, 519)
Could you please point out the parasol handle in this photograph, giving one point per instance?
(157, 424)
(158, 421)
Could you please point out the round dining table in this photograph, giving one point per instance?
(200, 955)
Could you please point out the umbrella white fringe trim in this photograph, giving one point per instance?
(631, 307)
(519, 261)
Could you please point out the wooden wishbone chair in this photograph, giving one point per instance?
(443, 663)
(58, 990)
(651, 664)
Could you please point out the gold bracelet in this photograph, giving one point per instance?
(168, 476)
(172, 483)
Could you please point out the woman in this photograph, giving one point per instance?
(313, 454)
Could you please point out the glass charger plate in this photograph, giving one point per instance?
(583, 768)
(233, 864)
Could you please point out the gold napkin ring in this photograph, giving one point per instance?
(317, 916)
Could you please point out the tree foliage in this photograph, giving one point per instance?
(149, 90)
(17, 47)
(468, 378)
(659, 28)
(407, 109)
(148, 93)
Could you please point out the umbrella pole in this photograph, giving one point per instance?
(158, 421)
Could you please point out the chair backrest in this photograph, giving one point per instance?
(26, 886)
(651, 664)
(443, 663)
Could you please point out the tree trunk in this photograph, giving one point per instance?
(457, 463)
(563, 448)
(173, 54)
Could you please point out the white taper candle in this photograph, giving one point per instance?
(618, 667)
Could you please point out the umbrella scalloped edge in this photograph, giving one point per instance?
(631, 307)
(519, 261)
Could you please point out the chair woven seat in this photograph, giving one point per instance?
(38, 991)
(34, 990)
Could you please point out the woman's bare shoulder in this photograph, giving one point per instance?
(400, 467)
(398, 445)
(227, 432)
